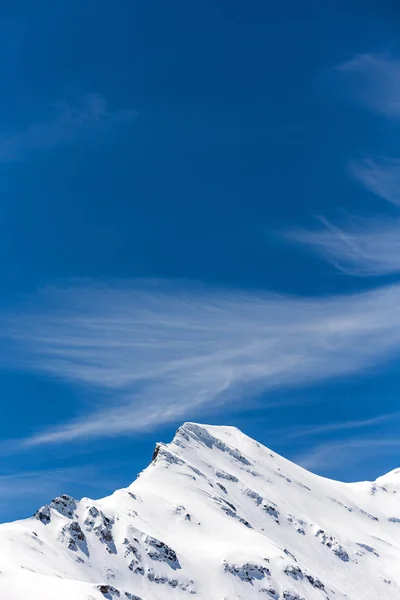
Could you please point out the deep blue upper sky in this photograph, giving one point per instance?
(199, 222)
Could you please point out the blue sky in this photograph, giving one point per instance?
(200, 221)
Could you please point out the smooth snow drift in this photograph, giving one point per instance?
(215, 516)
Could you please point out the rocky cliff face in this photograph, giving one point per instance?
(215, 516)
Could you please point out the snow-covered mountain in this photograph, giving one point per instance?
(215, 516)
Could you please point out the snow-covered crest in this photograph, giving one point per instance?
(214, 516)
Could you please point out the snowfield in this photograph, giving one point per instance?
(215, 516)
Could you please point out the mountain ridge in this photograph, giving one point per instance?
(215, 515)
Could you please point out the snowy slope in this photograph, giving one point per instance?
(215, 516)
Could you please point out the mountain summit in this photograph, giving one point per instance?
(215, 516)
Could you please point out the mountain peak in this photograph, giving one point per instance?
(202, 432)
(218, 516)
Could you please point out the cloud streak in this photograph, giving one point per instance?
(374, 80)
(353, 451)
(364, 247)
(382, 178)
(22, 487)
(159, 353)
(14, 485)
(341, 426)
(67, 123)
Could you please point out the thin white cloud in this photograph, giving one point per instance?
(382, 178)
(316, 430)
(68, 121)
(16, 487)
(158, 353)
(366, 247)
(374, 80)
(351, 452)
(363, 247)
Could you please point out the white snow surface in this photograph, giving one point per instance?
(215, 516)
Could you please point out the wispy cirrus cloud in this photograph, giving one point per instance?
(67, 122)
(160, 353)
(352, 452)
(14, 485)
(374, 80)
(362, 246)
(22, 486)
(382, 178)
(366, 246)
(315, 430)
